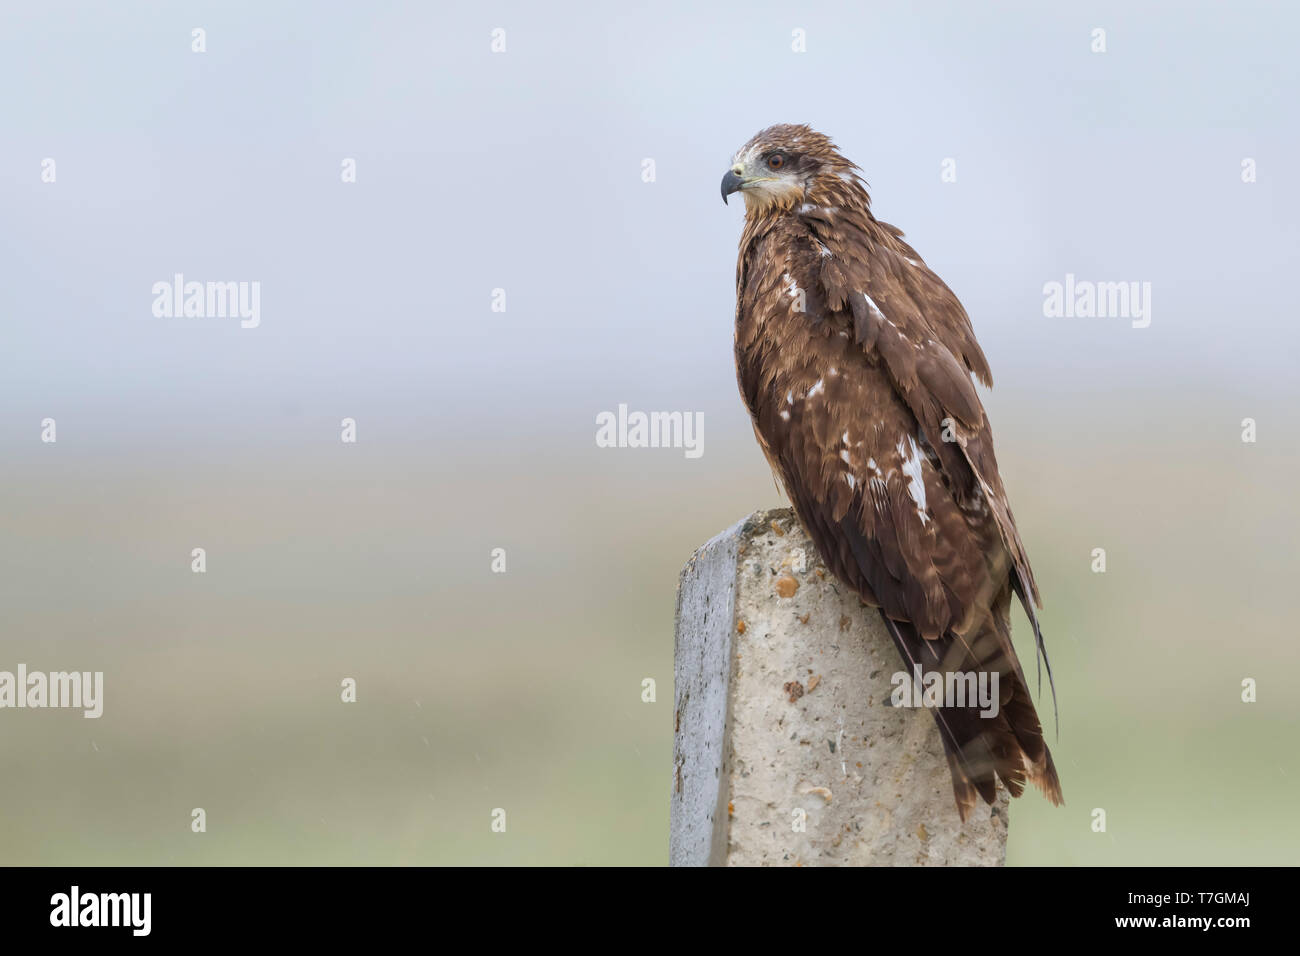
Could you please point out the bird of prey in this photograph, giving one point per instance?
(855, 361)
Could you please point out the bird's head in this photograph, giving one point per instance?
(786, 165)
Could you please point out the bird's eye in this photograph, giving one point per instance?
(775, 161)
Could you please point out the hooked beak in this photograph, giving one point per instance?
(731, 182)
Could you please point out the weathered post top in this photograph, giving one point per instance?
(787, 749)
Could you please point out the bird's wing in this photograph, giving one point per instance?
(907, 317)
(854, 456)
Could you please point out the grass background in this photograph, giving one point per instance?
(522, 690)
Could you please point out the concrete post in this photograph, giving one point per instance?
(787, 750)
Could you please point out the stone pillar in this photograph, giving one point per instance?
(787, 750)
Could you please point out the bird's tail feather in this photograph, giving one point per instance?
(981, 749)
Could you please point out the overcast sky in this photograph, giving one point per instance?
(522, 170)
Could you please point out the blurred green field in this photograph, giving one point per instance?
(522, 690)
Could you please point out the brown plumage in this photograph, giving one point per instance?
(855, 361)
